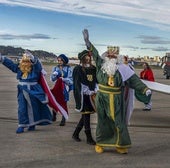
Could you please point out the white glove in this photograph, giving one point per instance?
(91, 93)
(55, 73)
(86, 37)
(148, 92)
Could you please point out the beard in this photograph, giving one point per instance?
(25, 68)
(109, 66)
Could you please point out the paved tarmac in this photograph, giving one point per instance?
(52, 146)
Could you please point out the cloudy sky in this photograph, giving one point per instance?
(139, 27)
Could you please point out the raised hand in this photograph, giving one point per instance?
(86, 37)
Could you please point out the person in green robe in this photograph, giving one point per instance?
(113, 76)
(84, 90)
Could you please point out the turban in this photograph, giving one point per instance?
(64, 58)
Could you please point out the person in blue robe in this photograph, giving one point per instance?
(62, 76)
(32, 101)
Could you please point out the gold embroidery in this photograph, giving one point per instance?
(112, 107)
(118, 136)
(111, 81)
(90, 78)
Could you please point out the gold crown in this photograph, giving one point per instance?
(25, 57)
(114, 49)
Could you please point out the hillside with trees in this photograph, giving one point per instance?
(18, 51)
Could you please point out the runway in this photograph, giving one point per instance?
(52, 146)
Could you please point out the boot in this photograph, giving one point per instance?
(76, 134)
(90, 140)
(54, 116)
(63, 121)
(122, 150)
(20, 130)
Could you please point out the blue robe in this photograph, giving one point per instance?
(32, 100)
(66, 74)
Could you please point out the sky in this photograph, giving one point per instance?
(139, 27)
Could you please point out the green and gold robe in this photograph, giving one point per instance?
(110, 103)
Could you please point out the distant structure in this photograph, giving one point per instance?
(150, 60)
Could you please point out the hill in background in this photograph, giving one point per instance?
(12, 51)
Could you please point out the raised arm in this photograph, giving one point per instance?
(86, 38)
(97, 58)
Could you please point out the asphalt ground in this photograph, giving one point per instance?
(52, 146)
